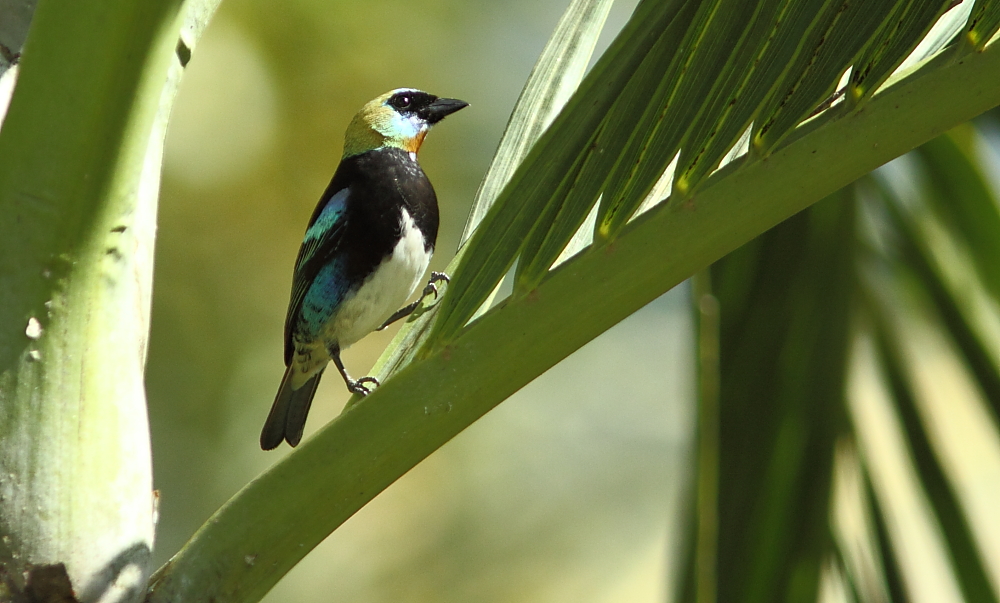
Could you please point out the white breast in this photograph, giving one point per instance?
(385, 291)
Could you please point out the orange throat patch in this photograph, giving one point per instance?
(412, 145)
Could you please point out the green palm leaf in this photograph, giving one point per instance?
(685, 79)
(921, 321)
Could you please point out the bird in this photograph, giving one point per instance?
(364, 253)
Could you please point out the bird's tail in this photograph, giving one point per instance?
(287, 418)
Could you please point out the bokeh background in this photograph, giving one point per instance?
(566, 492)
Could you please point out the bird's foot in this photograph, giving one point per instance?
(431, 288)
(363, 386)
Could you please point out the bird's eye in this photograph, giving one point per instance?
(402, 102)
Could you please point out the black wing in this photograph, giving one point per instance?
(320, 244)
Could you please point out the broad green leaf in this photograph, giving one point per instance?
(682, 88)
(779, 420)
(911, 541)
(492, 249)
(772, 51)
(960, 195)
(898, 36)
(903, 308)
(961, 302)
(984, 22)
(761, 56)
(956, 528)
(948, 245)
(555, 76)
(946, 31)
(827, 50)
(570, 204)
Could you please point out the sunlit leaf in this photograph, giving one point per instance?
(492, 249)
(897, 37)
(556, 74)
(983, 23)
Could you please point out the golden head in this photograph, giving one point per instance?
(400, 118)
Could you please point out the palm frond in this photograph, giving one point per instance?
(658, 91)
(786, 297)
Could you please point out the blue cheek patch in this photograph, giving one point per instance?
(399, 128)
(322, 299)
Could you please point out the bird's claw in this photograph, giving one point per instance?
(359, 387)
(431, 288)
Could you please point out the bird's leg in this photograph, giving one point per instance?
(430, 289)
(361, 386)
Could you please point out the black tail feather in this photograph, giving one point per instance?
(287, 418)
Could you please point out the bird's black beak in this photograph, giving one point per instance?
(441, 108)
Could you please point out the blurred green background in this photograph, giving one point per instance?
(565, 492)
